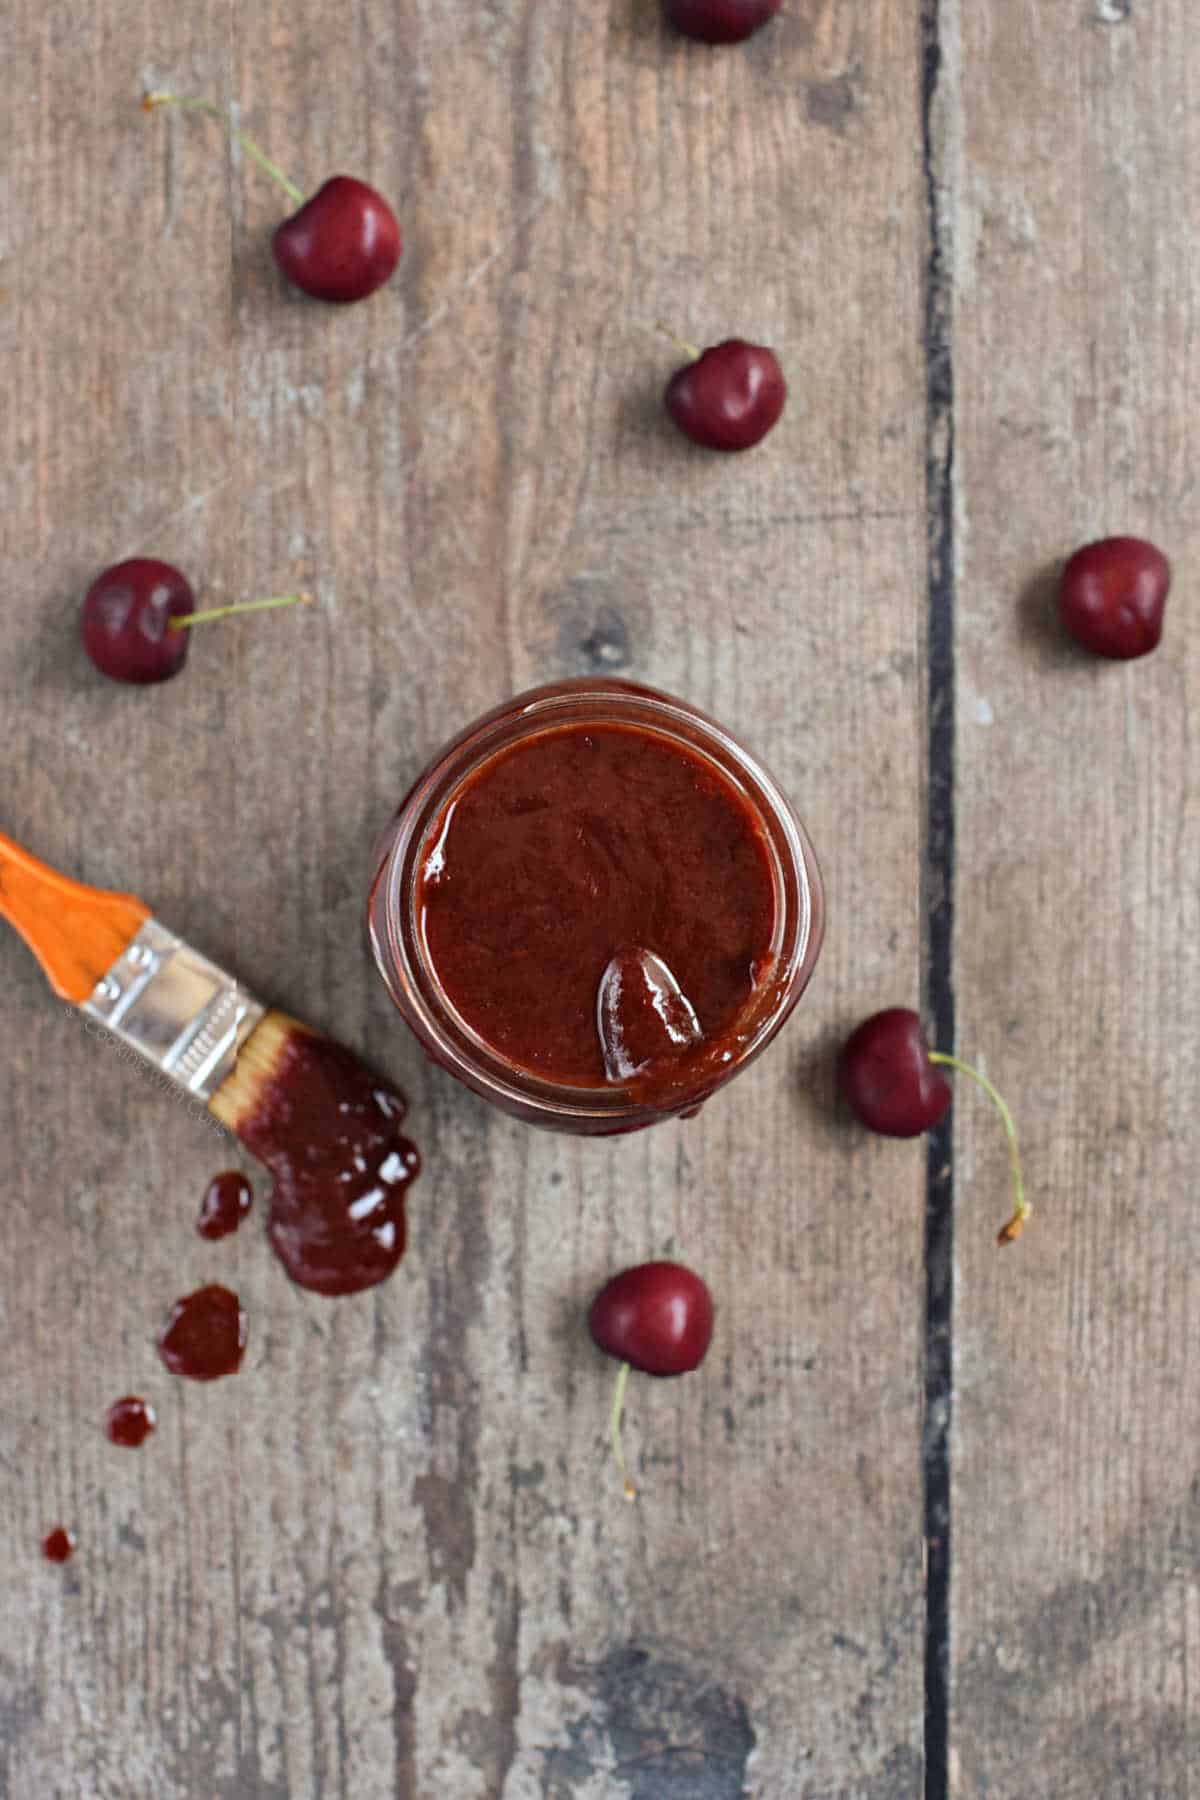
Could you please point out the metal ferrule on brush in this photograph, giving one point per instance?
(179, 1011)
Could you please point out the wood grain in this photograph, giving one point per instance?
(1072, 148)
(390, 1558)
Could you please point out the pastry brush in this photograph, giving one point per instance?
(326, 1127)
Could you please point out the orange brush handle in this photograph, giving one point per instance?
(76, 932)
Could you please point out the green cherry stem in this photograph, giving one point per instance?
(1022, 1208)
(152, 102)
(689, 350)
(183, 621)
(615, 1428)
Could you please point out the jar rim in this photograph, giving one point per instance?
(398, 941)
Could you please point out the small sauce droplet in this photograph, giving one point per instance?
(58, 1546)
(130, 1421)
(227, 1200)
(204, 1335)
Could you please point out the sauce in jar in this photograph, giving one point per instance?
(571, 848)
(595, 907)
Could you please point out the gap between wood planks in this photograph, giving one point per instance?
(937, 898)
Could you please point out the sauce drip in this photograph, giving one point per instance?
(129, 1422)
(204, 1335)
(329, 1132)
(227, 1200)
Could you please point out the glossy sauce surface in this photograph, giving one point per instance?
(227, 1200)
(583, 845)
(328, 1129)
(204, 1335)
(129, 1421)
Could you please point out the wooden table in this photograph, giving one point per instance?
(928, 1520)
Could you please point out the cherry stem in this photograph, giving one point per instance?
(689, 350)
(182, 621)
(1022, 1208)
(615, 1427)
(152, 102)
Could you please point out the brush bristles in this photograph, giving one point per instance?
(258, 1061)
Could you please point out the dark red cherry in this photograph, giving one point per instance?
(719, 21)
(129, 619)
(126, 617)
(342, 244)
(1112, 594)
(729, 397)
(893, 1082)
(227, 1201)
(887, 1079)
(658, 1317)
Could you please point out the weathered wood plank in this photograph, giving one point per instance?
(1076, 1499)
(390, 1558)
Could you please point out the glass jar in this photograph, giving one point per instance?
(402, 953)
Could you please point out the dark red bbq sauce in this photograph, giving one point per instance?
(58, 1546)
(329, 1132)
(585, 843)
(204, 1335)
(227, 1200)
(129, 1422)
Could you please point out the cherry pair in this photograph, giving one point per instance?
(657, 1317)
(344, 243)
